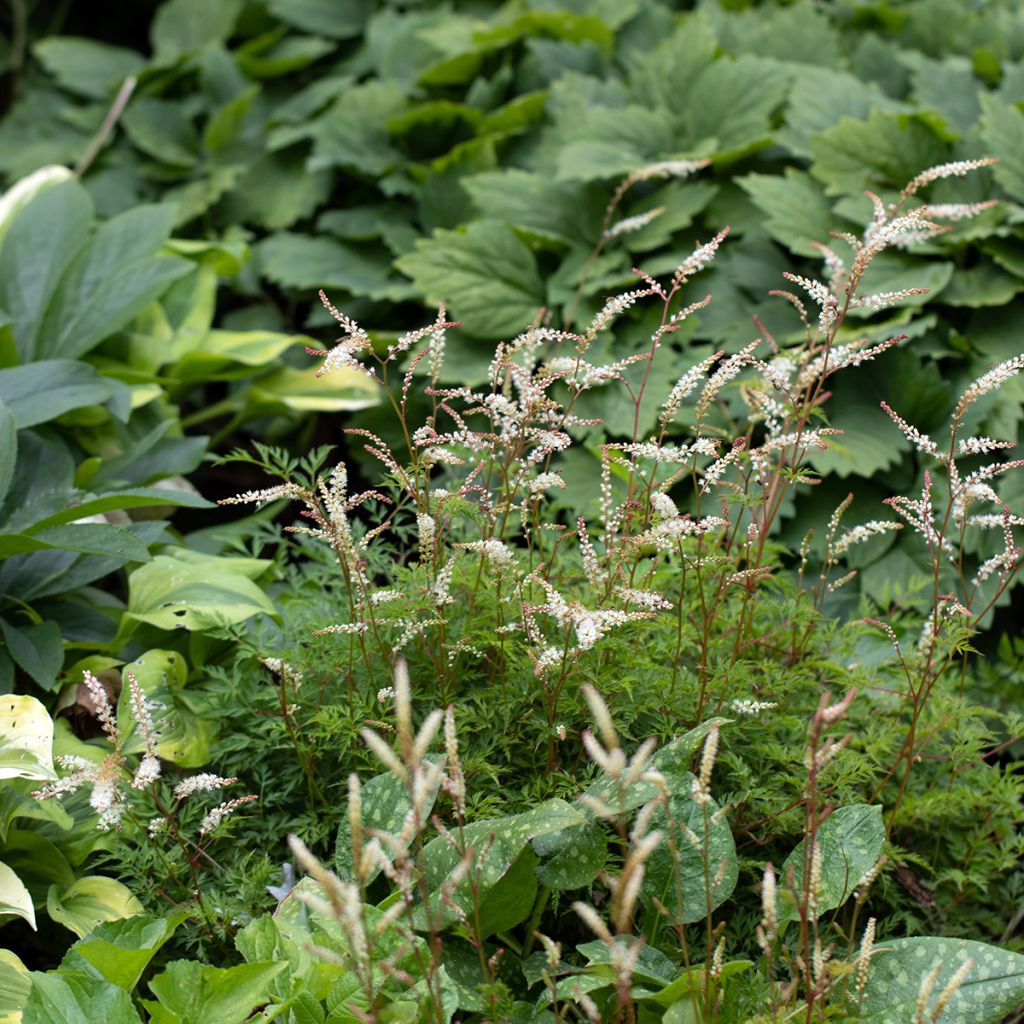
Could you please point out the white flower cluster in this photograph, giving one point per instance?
(743, 706)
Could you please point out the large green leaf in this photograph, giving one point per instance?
(851, 841)
(163, 130)
(39, 246)
(195, 594)
(87, 66)
(506, 839)
(77, 998)
(679, 871)
(339, 19)
(86, 538)
(15, 985)
(885, 150)
(184, 736)
(26, 738)
(37, 649)
(572, 858)
(385, 805)
(302, 391)
(190, 991)
(15, 899)
(486, 274)
(182, 26)
(110, 281)
(820, 97)
(1002, 128)
(732, 102)
(44, 390)
(535, 203)
(72, 505)
(354, 134)
(993, 988)
(8, 448)
(89, 901)
(122, 949)
(309, 263)
(796, 208)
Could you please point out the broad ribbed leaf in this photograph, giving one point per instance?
(38, 247)
(485, 274)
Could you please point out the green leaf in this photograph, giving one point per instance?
(486, 274)
(572, 858)
(307, 263)
(44, 390)
(354, 133)
(512, 898)
(535, 203)
(15, 899)
(678, 871)
(886, 150)
(184, 26)
(194, 992)
(672, 759)
(292, 53)
(796, 208)
(1002, 128)
(820, 97)
(185, 734)
(732, 102)
(161, 129)
(993, 989)
(609, 142)
(339, 19)
(121, 950)
(302, 391)
(276, 191)
(385, 806)
(85, 66)
(8, 447)
(984, 284)
(76, 998)
(851, 841)
(73, 505)
(507, 838)
(797, 33)
(41, 242)
(949, 87)
(90, 901)
(112, 280)
(221, 349)
(172, 593)
(38, 650)
(86, 538)
(15, 985)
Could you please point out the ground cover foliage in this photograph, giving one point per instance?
(713, 742)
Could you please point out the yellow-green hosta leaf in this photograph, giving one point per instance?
(15, 899)
(184, 735)
(15, 985)
(302, 391)
(90, 901)
(26, 739)
(175, 593)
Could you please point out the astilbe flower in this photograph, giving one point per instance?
(111, 779)
(107, 777)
